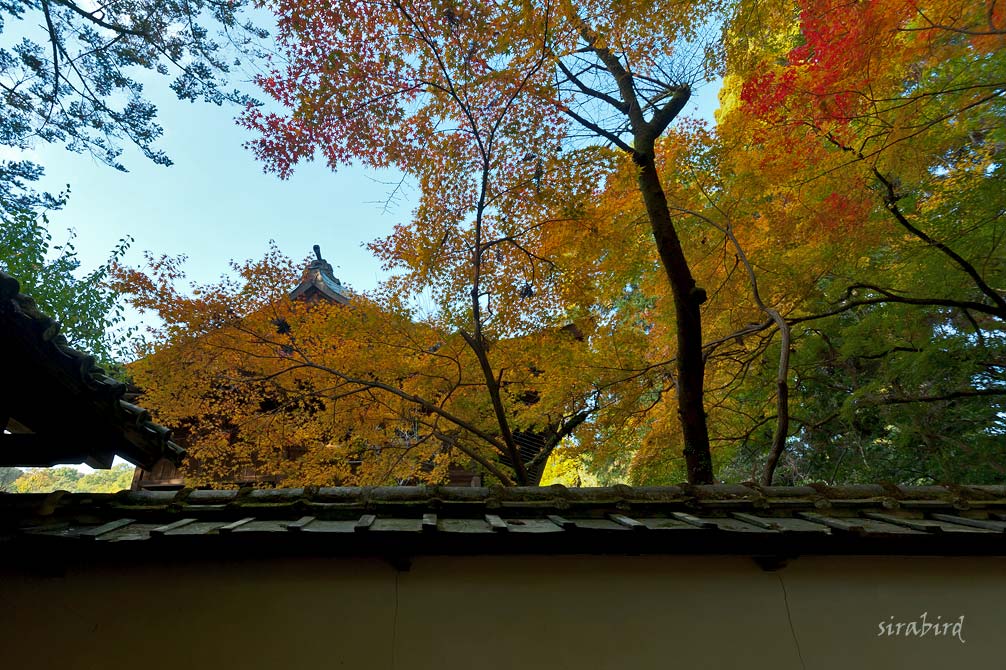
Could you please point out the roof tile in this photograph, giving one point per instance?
(33, 348)
(392, 520)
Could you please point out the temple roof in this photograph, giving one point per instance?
(319, 281)
(57, 405)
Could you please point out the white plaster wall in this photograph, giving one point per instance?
(505, 612)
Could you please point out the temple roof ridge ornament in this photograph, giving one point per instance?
(320, 283)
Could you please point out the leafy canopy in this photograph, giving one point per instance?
(46, 480)
(89, 311)
(844, 221)
(364, 393)
(73, 73)
(490, 107)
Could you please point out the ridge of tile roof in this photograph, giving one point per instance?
(744, 519)
(45, 364)
(319, 277)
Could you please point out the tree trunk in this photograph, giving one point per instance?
(687, 301)
(782, 401)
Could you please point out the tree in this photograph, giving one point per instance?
(87, 308)
(730, 251)
(845, 218)
(45, 480)
(883, 124)
(7, 478)
(364, 393)
(917, 137)
(511, 92)
(73, 76)
(73, 83)
(883, 358)
(118, 478)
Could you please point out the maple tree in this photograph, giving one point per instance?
(844, 217)
(881, 126)
(916, 135)
(883, 358)
(489, 100)
(634, 427)
(501, 320)
(314, 393)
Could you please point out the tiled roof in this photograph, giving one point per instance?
(320, 279)
(74, 411)
(404, 521)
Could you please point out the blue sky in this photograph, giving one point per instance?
(215, 203)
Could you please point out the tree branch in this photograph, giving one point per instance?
(663, 117)
(604, 97)
(98, 22)
(606, 134)
(494, 395)
(970, 393)
(55, 62)
(891, 201)
(496, 472)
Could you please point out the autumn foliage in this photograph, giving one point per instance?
(317, 393)
(813, 289)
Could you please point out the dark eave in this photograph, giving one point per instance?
(396, 522)
(58, 405)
